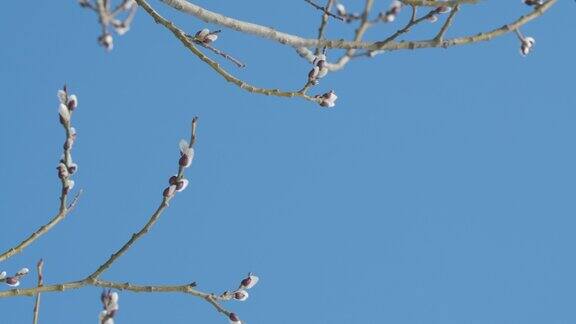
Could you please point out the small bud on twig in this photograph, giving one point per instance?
(169, 191)
(186, 154)
(206, 36)
(234, 319)
(64, 113)
(72, 102)
(106, 41)
(249, 282)
(328, 99)
(181, 185)
(241, 295)
(393, 11)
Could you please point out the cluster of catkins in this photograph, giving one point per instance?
(67, 167)
(177, 183)
(240, 294)
(13, 281)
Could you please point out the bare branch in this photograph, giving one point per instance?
(413, 22)
(205, 42)
(39, 268)
(296, 41)
(215, 66)
(440, 36)
(323, 23)
(360, 31)
(438, 3)
(61, 287)
(325, 10)
(153, 219)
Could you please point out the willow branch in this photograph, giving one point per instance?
(223, 54)
(189, 289)
(323, 21)
(94, 280)
(438, 3)
(440, 36)
(63, 210)
(181, 35)
(297, 41)
(413, 22)
(39, 268)
(360, 31)
(325, 10)
(153, 219)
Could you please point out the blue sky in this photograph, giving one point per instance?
(439, 190)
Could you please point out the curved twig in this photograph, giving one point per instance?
(181, 35)
(153, 219)
(63, 209)
(297, 41)
(72, 285)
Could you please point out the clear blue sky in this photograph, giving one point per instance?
(439, 190)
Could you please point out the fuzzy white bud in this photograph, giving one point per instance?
(64, 112)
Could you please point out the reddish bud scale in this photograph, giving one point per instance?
(11, 280)
(173, 180)
(166, 192)
(443, 9)
(62, 171)
(246, 282)
(184, 159)
(312, 74)
(233, 317)
(179, 185)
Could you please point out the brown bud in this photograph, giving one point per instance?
(234, 318)
(184, 159)
(246, 281)
(169, 191)
(68, 144)
(72, 168)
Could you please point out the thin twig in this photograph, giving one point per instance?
(365, 24)
(39, 268)
(93, 279)
(406, 28)
(74, 202)
(63, 210)
(153, 219)
(323, 24)
(438, 3)
(221, 53)
(178, 33)
(72, 285)
(325, 10)
(440, 36)
(297, 42)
